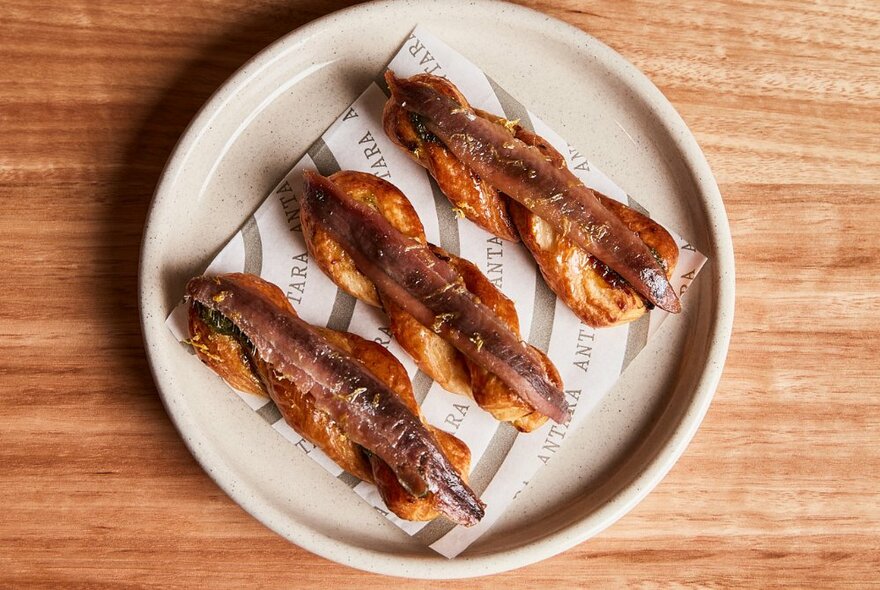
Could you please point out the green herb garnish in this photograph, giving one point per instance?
(223, 325)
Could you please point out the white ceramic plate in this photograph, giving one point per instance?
(252, 130)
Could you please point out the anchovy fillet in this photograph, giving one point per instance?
(369, 412)
(407, 272)
(552, 193)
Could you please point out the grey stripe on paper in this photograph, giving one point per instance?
(421, 385)
(343, 310)
(324, 160)
(434, 531)
(497, 451)
(253, 247)
(449, 238)
(513, 109)
(633, 204)
(270, 413)
(348, 479)
(488, 465)
(636, 339)
(637, 334)
(542, 317)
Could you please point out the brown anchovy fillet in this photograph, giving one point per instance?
(370, 413)
(407, 272)
(552, 193)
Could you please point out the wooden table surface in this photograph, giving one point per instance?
(780, 485)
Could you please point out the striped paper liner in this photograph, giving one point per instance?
(270, 244)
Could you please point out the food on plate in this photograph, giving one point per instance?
(470, 195)
(460, 329)
(606, 261)
(348, 396)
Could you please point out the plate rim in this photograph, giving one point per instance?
(721, 266)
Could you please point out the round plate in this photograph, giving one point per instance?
(253, 129)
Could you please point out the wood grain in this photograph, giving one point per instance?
(780, 486)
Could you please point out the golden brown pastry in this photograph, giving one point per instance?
(348, 396)
(358, 204)
(569, 229)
